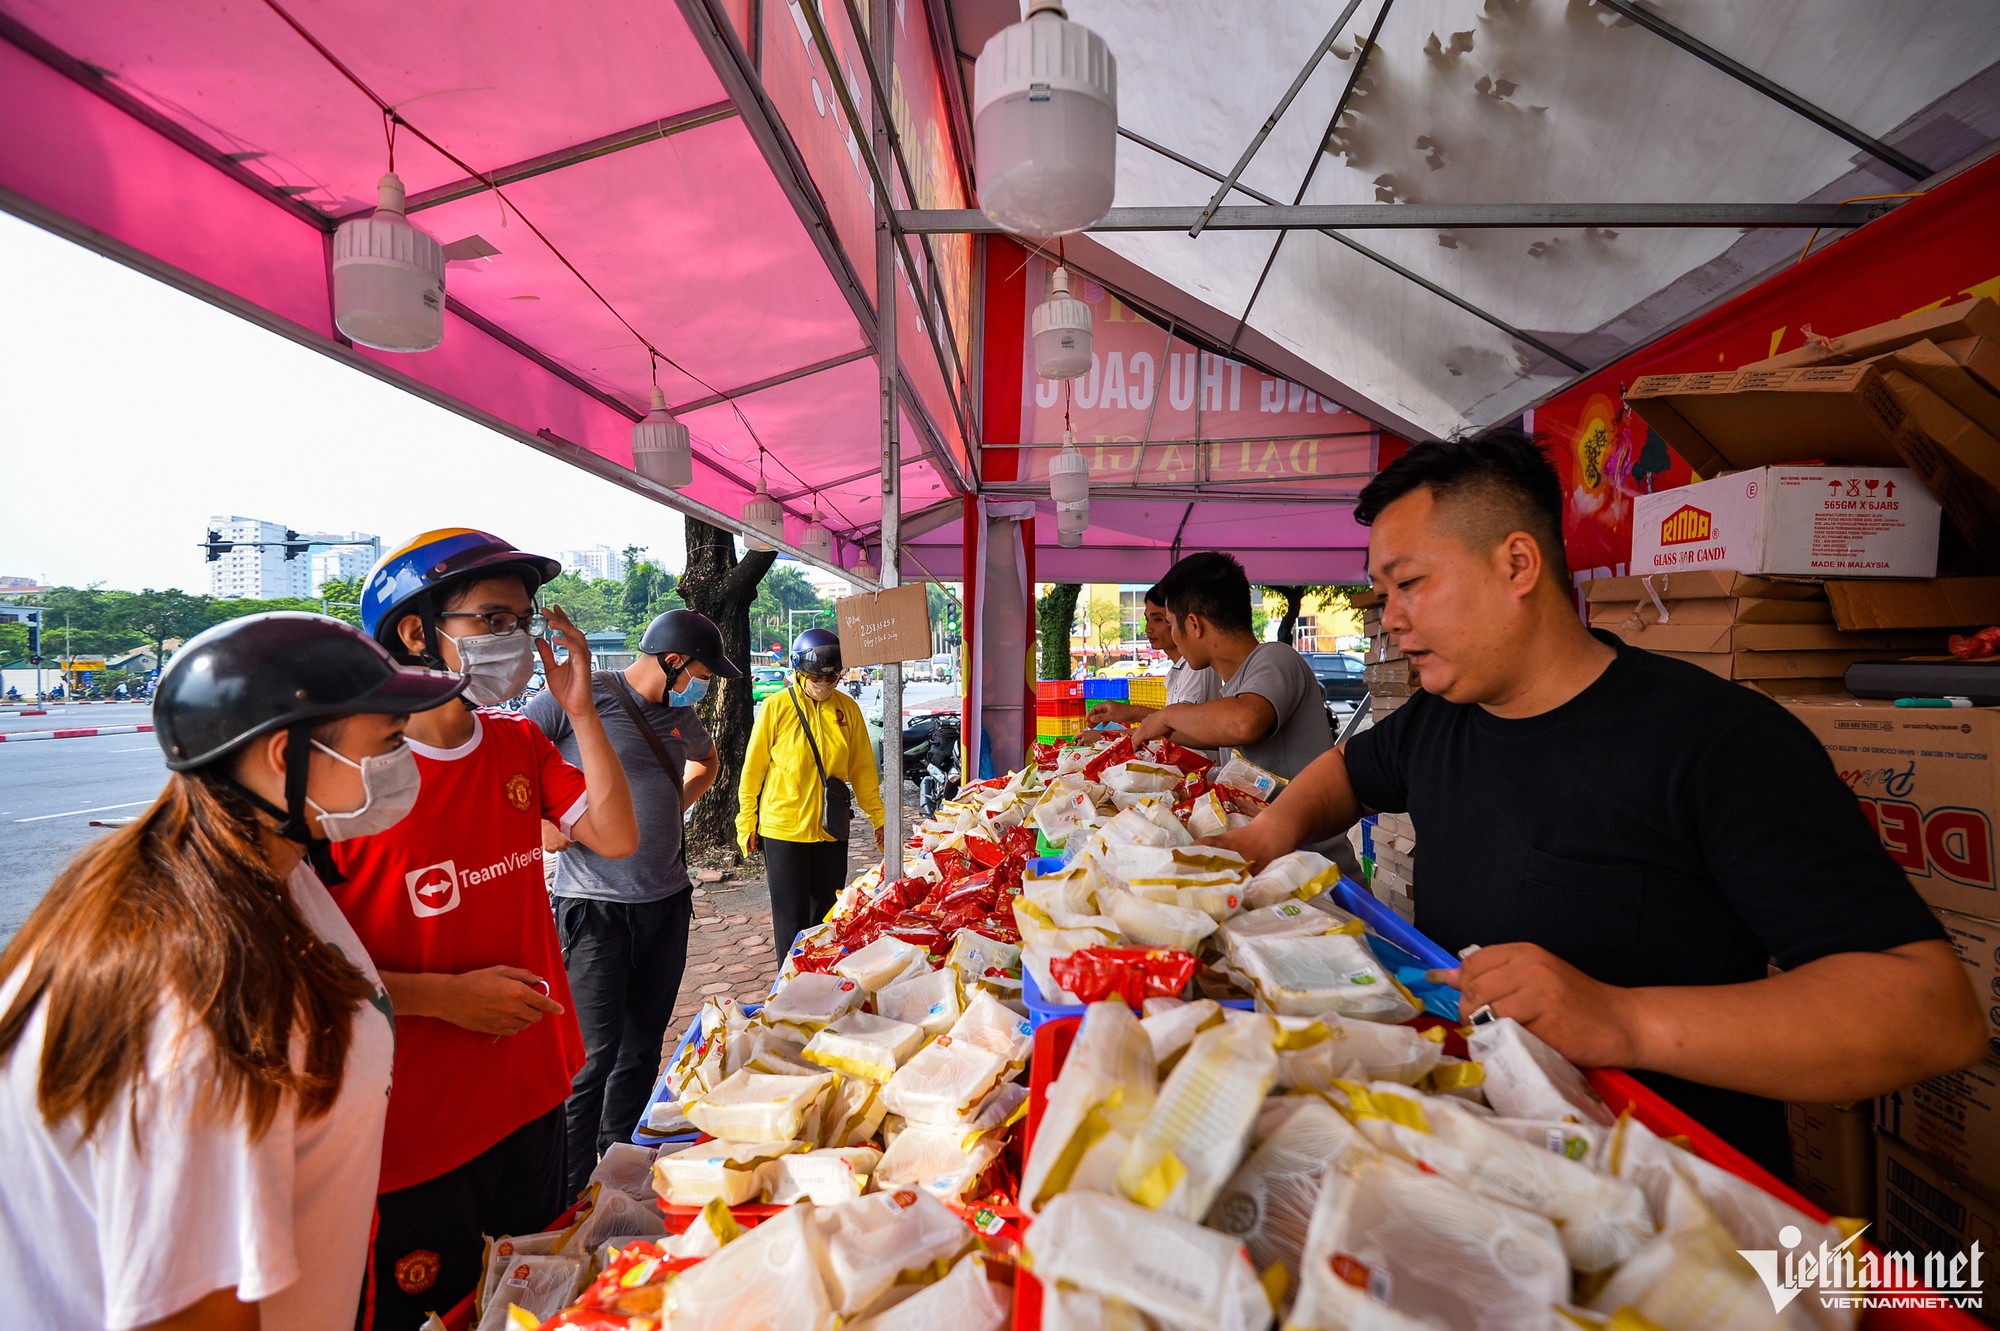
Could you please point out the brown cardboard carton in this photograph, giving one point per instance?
(1940, 603)
(1929, 782)
(1742, 665)
(1922, 1208)
(1757, 418)
(1954, 1119)
(1721, 610)
(1940, 371)
(1833, 1156)
(1804, 520)
(1701, 585)
(1977, 943)
(1980, 356)
(877, 628)
(1639, 626)
(1965, 319)
(1782, 689)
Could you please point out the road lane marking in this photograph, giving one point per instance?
(102, 808)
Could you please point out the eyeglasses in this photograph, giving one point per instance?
(503, 621)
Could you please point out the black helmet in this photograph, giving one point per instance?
(229, 684)
(817, 652)
(281, 671)
(692, 637)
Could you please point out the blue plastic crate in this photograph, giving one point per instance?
(1113, 690)
(661, 1094)
(1368, 837)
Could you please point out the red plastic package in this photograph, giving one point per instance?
(1044, 755)
(821, 958)
(1173, 755)
(1133, 974)
(914, 927)
(951, 864)
(984, 853)
(1118, 751)
(1019, 840)
(1975, 646)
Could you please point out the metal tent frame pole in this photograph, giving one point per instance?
(1430, 217)
(882, 37)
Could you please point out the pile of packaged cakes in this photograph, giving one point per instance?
(1255, 1129)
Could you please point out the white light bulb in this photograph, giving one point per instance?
(1062, 332)
(1045, 124)
(388, 278)
(661, 449)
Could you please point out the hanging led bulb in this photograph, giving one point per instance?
(1062, 332)
(865, 568)
(1074, 518)
(661, 450)
(388, 277)
(762, 514)
(1069, 474)
(1045, 124)
(816, 540)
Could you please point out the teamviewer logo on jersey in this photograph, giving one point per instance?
(433, 889)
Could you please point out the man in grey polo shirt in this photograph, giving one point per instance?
(624, 923)
(1267, 703)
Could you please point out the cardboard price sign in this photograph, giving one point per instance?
(879, 627)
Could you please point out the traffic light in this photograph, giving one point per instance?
(216, 546)
(295, 545)
(34, 642)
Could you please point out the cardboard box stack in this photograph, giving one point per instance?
(1391, 847)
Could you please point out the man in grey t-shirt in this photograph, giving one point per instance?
(1268, 702)
(624, 923)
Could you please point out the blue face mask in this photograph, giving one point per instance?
(696, 689)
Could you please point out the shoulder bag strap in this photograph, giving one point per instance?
(811, 743)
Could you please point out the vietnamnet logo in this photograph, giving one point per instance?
(1686, 525)
(435, 888)
(1851, 1278)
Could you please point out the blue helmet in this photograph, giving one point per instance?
(816, 652)
(403, 581)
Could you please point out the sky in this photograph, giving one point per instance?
(130, 413)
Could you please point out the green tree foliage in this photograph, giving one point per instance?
(1055, 613)
(783, 590)
(341, 598)
(1295, 597)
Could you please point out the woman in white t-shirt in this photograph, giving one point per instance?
(194, 1047)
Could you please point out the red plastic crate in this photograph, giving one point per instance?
(1057, 690)
(1620, 1090)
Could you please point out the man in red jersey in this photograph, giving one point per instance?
(451, 905)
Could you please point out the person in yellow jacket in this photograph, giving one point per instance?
(781, 804)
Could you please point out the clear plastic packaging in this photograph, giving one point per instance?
(767, 1280)
(810, 1000)
(1588, 1144)
(1172, 1029)
(943, 1082)
(1308, 976)
(1138, 776)
(613, 1213)
(708, 1171)
(965, 1300)
(1106, 1089)
(943, 1161)
(758, 1107)
(1391, 1248)
(540, 1286)
(1268, 1202)
(988, 1023)
(1209, 816)
(1299, 876)
(1290, 919)
(504, 1249)
(626, 1168)
(1061, 934)
(821, 1177)
(973, 955)
(1063, 811)
(1194, 1136)
(882, 963)
(1070, 892)
(1239, 773)
(1065, 1308)
(1527, 1079)
(1166, 1267)
(704, 1062)
(1155, 924)
(871, 1241)
(1315, 1052)
(851, 1115)
(930, 1002)
(861, 1044)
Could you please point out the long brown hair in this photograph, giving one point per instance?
(181, 902)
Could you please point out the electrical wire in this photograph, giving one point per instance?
(392, 119)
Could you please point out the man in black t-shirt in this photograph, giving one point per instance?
(1628, 838)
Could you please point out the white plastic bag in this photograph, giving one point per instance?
(1308, 976)
(943, 1161)
(861, 1044)
(540, 1286)
(1172, 1029)
(1168, 1268)
(973, 955)
(1289, 918)
(1301, 875)
(965, 1300)
(882, 963)
(501, 1251)
(945, 1080)
(810, 1000)
(989, 1024)
(758, 1107)
(871, 1241)
(1315, 1052)
(710, 1170)
(627, 1168)
(767, 1280)
(611, 1214)
(1106, 1089)
(851, 1115)
(930, 1001)
(1154, 924)
(821, 1177)
(1527, 1079)
(1268, 1202)
(1200, 1122)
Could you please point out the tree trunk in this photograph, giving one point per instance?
(721, 586)
(1295, 598)
(1054, 614)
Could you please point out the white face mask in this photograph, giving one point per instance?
(819, 690)
(389, 785)
(496, 666)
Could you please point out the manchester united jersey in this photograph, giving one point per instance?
(457, 886)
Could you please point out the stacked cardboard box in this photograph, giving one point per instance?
(1395, 863)
(1929, 783)
(1779, 635)
(1392, 836)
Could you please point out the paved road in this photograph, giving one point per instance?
(49, 792)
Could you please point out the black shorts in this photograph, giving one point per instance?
(425, 1254)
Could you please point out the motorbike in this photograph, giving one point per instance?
(930, 751)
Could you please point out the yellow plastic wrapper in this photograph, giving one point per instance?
(821, 1177)
(1290, 919)
(861, 1044)
(703, 1063)
(1137, 827)
(757, 1107)
(762, 1047)
(973, 954)
(1315, 1052)
(1194, 1136)
(1209, 816)
(1141, 777)
(882, 963)
(1305, 977)
(1527, 1079)
(1171, 1029)
(943, 1161)
(1391, 1248)
(1061, 934)
(1145, 923)
(810, 1000)
(1601, 1220)
(1181, 866)
(851, 1115)
(873, 1241)
(930, 1002)
(540, 1286)
(1072, 891)
(1006, 1104)
(1268, 1202)
(1168, 1268)
(988, 1023)
(965, 1300)
(945, 1080)
(712, 1170)
(767, 1280)
(1106, 1089)
(1299, 876)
